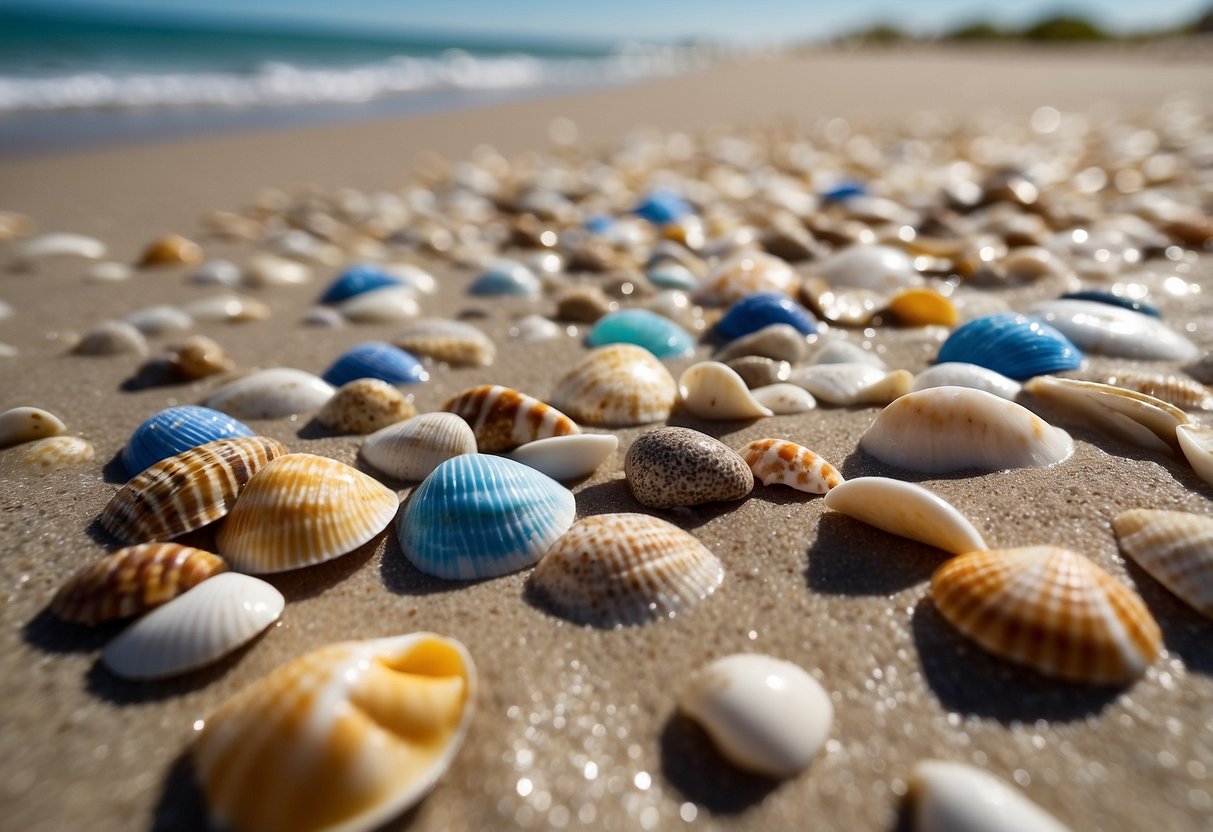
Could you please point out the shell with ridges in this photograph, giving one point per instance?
(567, 457)
(1177, 390)
(25, 424)
(1196, 442)
(375, 359)
(174, 430)
(1175, 548)
(655, 333)
(503, 418)
(754, 312)
(411, 449)
(271, 394)
(711, 390)
(1127, 414)
(907, 510)
(778, 461)
(744, 274)
(1113, 330)
(671, 467)
(357, 279)
(365, 405)
(962, 374)
(56, 452)
(949, 797)
(1015, 345)
(783, 399)
(455, 342)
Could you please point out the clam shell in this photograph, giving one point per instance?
(25, 424)
(365, 405)
(780, 462)
(754, 312)
(782, 399)
(176, 429)
(301, 510)
(264, 270)
(710, 390)
(1175, 548)
(876, 268)
(848, 384)
(112, 338)
(567, 457)
(506, 277)
(1126, 414)
(949, 797)
(1015, 345)
(620, 384)
(376, 359)
(479, 516)
(1196, 442)
(157, 320)
(171, 250)
(1112, 330)
(846, 352)
(411, 449)
(199, 357)
(132, 581)
(1050, 609)
(1182, 392)
(946, 429)
(744, 274)
(61, 244)
(56, 452)
(671, 467)
(778, 341)
(345, 737)
(271, 394)
(391, 304)
(907, 510)
(503, 418)
(617, 570)
(198, 628)
(356, 280)
(655, 333)
(960, 374)
(454, 342)
(923, 307)
(227, 309)
(531, 329)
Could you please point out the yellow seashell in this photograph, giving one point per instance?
(171, 250)
(503, 418)
(923, 307)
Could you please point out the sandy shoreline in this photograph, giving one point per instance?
(79, 749)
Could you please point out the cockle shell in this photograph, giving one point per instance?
(227, 308)
(620, 384)
(1182, 392)
(1175, 548)
(778, 341)
(710, 390)
(1015, 345)
(365, 405)
(849, 384)
(391, 304)
(272, 394)
(908, 510)
(756, 311)
(567, 457)
(411, 449)
(946, 429)
(176, 429)
(1196, 442)
(1050, 609)
(157, 320)
(171, 250)
(877, 268)
(345, 737)
(954, 797)
(961, 374)
(132, 581)
(778, 461)
(618, 570)
(25, 424)
(744, 274)
(454, 342)
(301, 510)
(198, 357)
(503, 418)
(56, 452)
(764, 714)
(655, 333)
(671, 466)
(376, 359)
(1126, 414)
(112, 338)
(923, 307)
(197, 628)
(1112, 330)
(783, 399)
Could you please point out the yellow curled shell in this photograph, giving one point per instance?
(923, 307)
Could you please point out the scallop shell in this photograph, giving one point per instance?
(197, 628)
(617, 385)
(744, 274)
(301, 510)
(227, 309)
(376, 359)
(503, 418)
(345, 737)
(1196, 442)
(381, 306)
(1050, 609)
(199, 357)
(112, 338)
(960, 374)
(454, 342)
(1175, 548)
(849, 384)
(876, 268)
(907, 510)
(157, 320)
(923, 307)
(946, 429)
(506, 277)
(655, 333)
(778, 341)
(710, 390)
(176, 429)
(271, 394)
(617, 570)
(671, 467)
(779, 462)
(132, 581)
(1015, 345)
(1112, 330)
(1126, 414)
(171, 250)
(760, 310)
(365, 405)
(56, 452)
(1182, 392)
(782, 399)
(949, 797)
(355, 281)
(264, 270)
(567, 457)
(479, 516)
(25, 424)
(411, 449)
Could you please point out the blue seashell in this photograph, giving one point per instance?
(355, 280)
(662, 207)
(506, 277)
(599, 224)
(376, 359)
(1015, 345)
(762, 309)
(657, 334)
(479, 516)
(844, 190)
(668, 274)
(174, 430)
(1115, 300)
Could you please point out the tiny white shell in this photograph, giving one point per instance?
(156, 320)
(960, 374)
(848, 384)
(711, 390)
(390, 304)
(531, 329)
(567, 457)
(907, 510)
(412, 449)
(264, 270)
(271, 394)
(227, 309)
(950, 797)
(1196, 442)
(25, 424)
(108, 272)
(1114, 330)
(784, 398)
(846, 352)
(61, 244)
(112, 338)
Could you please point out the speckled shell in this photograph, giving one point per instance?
(950, 797)
(301, 510)
(1126, 414)
(710, 390)
(849, 384)
(271, 394)
(754, 312)
(1196, 442)
(376, 359)
(960, 374)
(655, 333)
(1175, 548)
(1015, 345)
(112, 338)
(345, 737)
(1113, 330)
(616, 570)
(1177, 390)
(670, 467)
(745, 274)
(132, 581)
(365, 405)
(617, 385)
(25, 424)
(567, 457)
(55, 452)
(176, 429)
(503, 418)
(778, 341)
(171, 250)
(455, 342)
(411, 449)
(782, 399)
(780, 462)
(876, 268)
(186, 491)
(1050, 609)
(908, 510)
(923, 307)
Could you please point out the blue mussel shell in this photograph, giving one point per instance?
(376, 359)
(1015, 345)
(657, 334)
(174, 430)
(762, 309)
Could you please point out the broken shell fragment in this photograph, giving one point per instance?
(778, 461)
(1196, 442)
(1125, 414)
(567, 457)
(907, 510)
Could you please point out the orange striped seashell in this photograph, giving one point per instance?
(1175, 547)
(503, 418)
(187, 491)
(301, 510)
(132, 581)
(1050, 609)
(780, 462)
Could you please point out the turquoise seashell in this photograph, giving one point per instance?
(668, 274)
(1015, 345)
(506, 277)
(479, 516)
(376, 359)
(174, 430)
(657, 334)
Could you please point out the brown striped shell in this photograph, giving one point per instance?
(780, 462)
(503, 418)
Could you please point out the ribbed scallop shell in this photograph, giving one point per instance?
(961, 374)
(376, 359)
(907, 510)
(195, 629)
(655, 333)
(1126, 414)
(1015, 345)
(946, 429)
(1050, 609)
(711, 390)
(271, 394)
(55, 452)
(365, 405)
(780, 462)
(1177, 390)
(345, 737)
(567, 457)
(949, 797)
(763, 309)
(454, 342)
(480, 516)
(503, 418)
(617, 385)
(1196, 442)
(301, 510)
(25, 424)
(849, 384)
(1113, 330)
(177, 429)
(411, 449)
(132, 581)
(744, 274)
(617, 570)
(1175, 548)
(186, 491)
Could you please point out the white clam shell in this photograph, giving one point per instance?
(781, 342)
(226, 309)
(847, 384)
(264, 270)
(25, 424)
(112, 338)
(108, 272)
(61, 244)
(567, 457)
(907, 510)
(954, 797)
(532, 329)
(763, 714)
(271, 394)
(711, 390)
(1196, 442)
(960, 374)
(784, 398)
(217, 273)
(412, 449)
(387, 305)
(156, 320)
(1114, 330)
(1127, 414)
(846, 352)
(195, 629)
(873, 267)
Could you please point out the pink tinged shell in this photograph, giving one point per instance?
(908, 510)
(779, 462)
(1175, 548)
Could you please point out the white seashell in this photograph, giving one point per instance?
(1182, 392)
(265, 270)
(271, 394)
(763, 714)
(1127, 414)
(619, 384)
(156, 320)
(414, 277)
(1196, 442)
(56, 452)
(197, 628)
(412, 449)
(846, 352)
(61, 244)
(567, 457)
(381, 306)
(1175, 548)
(960, 374)
(226, 309)
(1114, 330)
(454, 342)
(325, 316)
(872, 267)
(954, 797)
(711, 390)
(301, 245)
(112, 338)
(907, 510)
(781, 342)
(108, 272)
(848, 384)
(783, 398)
(217, 273)
(25, 424)
(744, 274)
(531, 329)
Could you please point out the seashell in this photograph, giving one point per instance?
(1099, 296)
(662, 206)
(454, 342)
(171, 250)
(301, 510)
(1125, 414)
(780, 462)
(60, 244)
(303, 245)
(1196, 442)
(217, 273)
(176, 429)
(355, 280)
(1177, 390)
(271, 394)
(324, 316)
(199, 627)
(677, 306)
(411, 449)
(949, 797)
(668, 274)
(671, 467)
(1111, 330)
(381, 306)
(757, 371)
(365, 405)
(872, 267)
(414, 277)
(132, 581)
(531, 329)
(199, 357)
(846, 306)
(108, 272)
(620, 570)
(503, 418)
(655, 333)
(784, 399)
(850, 384)
(1175, 548)
(744, 274)
(1030, 263)
(620, 384)
(25, 424)
(960, 374)
(14, 226)
(112, 338)
(506, 277)
(376, 359)
(923, 307)
(264, 270)
(345, 737)
(227, 309)
(584, 304)
(567, 457)
(478, 516)
(946, 429)
(763, 714)
(907, 510)
(754, 312)
(186, 491)
(778, 341)
(56, 452)
(845, 352)
(1012, 344)
(1050, 609)
(710, 390)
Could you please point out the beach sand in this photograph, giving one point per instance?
(80, 749)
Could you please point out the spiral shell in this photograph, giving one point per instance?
(617, 385)
(503, 418)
